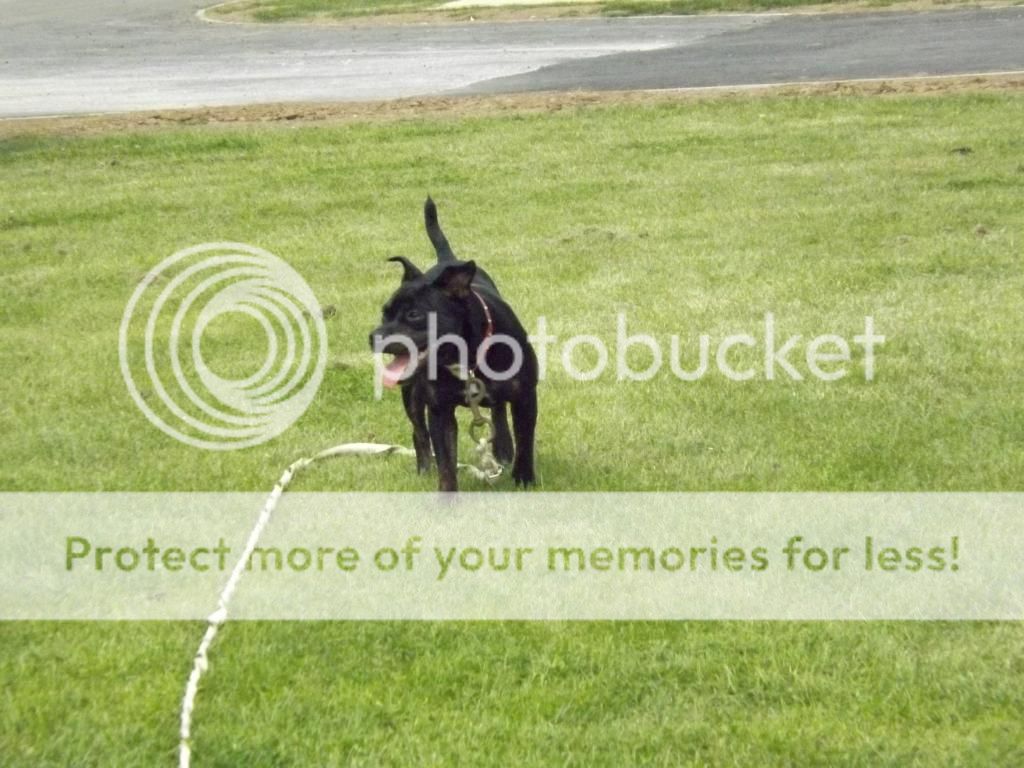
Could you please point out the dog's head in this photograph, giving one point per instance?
(427, 307)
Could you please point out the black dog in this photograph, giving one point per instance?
(421, 326)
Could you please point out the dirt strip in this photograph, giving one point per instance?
(440, 107)
(241, 12)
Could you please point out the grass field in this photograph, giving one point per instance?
(342, 10)
(690, 217)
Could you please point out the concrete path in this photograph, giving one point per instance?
(81, 56)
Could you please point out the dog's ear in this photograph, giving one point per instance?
(411, 270)
(455, 279)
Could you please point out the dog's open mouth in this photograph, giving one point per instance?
(400, 368)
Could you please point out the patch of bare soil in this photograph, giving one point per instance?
(225, 13)
(487, 106)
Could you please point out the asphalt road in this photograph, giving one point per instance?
(80, 56)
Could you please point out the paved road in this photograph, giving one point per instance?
(108, 55)
(804, 48)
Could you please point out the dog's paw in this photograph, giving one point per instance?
(504, 453)
(523, 476)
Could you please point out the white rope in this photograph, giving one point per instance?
(216, 619)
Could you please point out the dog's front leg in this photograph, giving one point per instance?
(524, 423)
(444, 433)
(416, 410)
(503, 450)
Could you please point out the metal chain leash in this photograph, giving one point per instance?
(483, 443)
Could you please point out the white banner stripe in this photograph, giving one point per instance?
(517, 556)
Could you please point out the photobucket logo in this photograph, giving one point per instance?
(211, 295)
(737, 356)
(765, 353)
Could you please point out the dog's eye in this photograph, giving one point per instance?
(413, 316)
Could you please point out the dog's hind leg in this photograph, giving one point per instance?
(503, 450)
(416, 411)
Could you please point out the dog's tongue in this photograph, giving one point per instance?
(394, 370)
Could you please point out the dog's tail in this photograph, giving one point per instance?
(437, 238)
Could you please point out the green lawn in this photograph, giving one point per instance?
(693, 217)
(540, 694)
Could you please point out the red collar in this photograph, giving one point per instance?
(489, 328)
(488, 332)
